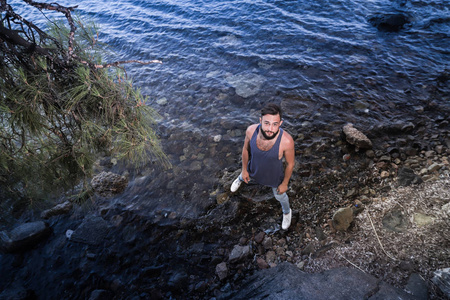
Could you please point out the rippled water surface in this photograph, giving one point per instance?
(222, 60)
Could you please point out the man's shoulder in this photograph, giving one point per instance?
(252, 128)
(287, 139)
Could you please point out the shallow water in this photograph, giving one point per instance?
(222, 60)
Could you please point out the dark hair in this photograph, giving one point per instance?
(271, 109)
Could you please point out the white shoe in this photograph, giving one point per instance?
(236, 184)
(286, 220)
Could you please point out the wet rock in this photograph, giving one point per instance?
(441, 278)
(92, 231)
(260, 237)
(389, 22)
(108, 184)
(407, 177)
(238, 253)
(267, 243)
(222, 270)
(59, 209)
(24, 236)
(356, 137)
(342, 218)
(178, 281)
(286, 281)
(246, 84)
(417, 287)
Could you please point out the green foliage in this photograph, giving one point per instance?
(57, 117)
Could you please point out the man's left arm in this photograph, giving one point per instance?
(289, 156)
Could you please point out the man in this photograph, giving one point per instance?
(265, 146)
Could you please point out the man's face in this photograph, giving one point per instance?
(270, 125)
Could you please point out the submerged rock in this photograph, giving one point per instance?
(389, 22)
(246, 85)
(356, 137)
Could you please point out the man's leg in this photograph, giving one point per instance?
(287, 213)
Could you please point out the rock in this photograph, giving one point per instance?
(24, 236)
(59, 209)
(407, 177)
(178, 281)
(246, 85)
(100, 295)
(238, 253)
(417, 287)
(260, 237)
(108, 184)
(92, 231)
(262, 264)
(162, 101)
(389, 22)
(342, 218)
(422, 219)
(395, 221)
(441, 278)
(286, 281)
(222, 270)
(357, 138)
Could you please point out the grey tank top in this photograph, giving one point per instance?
(264, 166)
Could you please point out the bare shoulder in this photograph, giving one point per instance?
(287, 141)
(251, 129)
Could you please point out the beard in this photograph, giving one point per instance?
(269, 137)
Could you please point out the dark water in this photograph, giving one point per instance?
(222, 60)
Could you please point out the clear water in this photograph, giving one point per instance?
(322, 60)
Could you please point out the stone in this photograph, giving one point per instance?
(162, 101)
(59, 209)
(262, 264)
(108, 184)
(246, 84)
(407, 177)
(441, 278)
(222, 270)
(92, 231)
(24, 236)
(356, 137)
(100, 295)
(417, 287)
(238, 253)
(394, 220)
(434, 167)
(287, 281)
(260, 237)
(422, 219)
(342, 218)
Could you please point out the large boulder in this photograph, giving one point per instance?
(286, 281)
(356, 137)
(108, 184)
(24, 236)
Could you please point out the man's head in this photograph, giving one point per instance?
(270, 120)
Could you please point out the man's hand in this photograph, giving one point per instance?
(245, 176)
(282, 188)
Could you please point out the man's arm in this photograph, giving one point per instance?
(245, 152)
(289, 155)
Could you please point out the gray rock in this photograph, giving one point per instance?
(356, 137)
(59, 209)
(441, 278)
(417, 287)
(24, 236)
(407, 177)
(394, 220)
(92, 231)
(108, 184)
(238, 253)
(222, 270)
(286, 281)
(342, 218)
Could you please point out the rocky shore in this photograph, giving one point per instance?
(373, 217)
